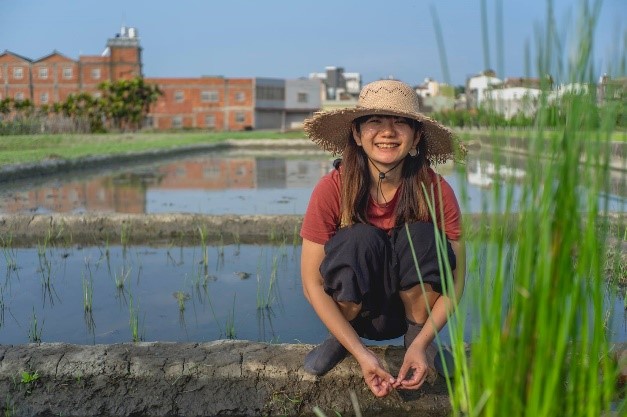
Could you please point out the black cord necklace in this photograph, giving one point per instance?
(382, 177)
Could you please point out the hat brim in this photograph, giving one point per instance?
(331, 130)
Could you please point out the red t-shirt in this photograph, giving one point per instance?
(323, 212)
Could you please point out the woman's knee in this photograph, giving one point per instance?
(349, 309)
(418, 302)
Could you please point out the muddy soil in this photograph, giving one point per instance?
(222, 378)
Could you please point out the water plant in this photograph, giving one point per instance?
(120, 278)
(9, 407)
(229, 327)
(125, 234)
(237, 242)
(136, 333)
(202, 232)
(9, 254)
(35, 330)
(540, 345)
(220, 247)
(181, 299)
(88, 287)
(2, 307)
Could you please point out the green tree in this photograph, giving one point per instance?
(126, 102)
(84, 106)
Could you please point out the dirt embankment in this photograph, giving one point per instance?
(223, 378)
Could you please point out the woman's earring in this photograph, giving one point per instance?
(413, 152)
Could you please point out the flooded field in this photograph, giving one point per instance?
(113, 293)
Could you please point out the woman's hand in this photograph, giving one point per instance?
(377, 378)
(415, 360)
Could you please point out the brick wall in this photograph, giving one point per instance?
(208, 103)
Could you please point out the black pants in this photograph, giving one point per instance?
(363, 264)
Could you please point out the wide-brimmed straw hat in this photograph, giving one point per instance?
(331, 130)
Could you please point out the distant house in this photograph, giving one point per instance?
(514, 96)
(339, 89)
(435, 96)
(477, 85)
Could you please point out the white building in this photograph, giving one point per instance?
(509, 101)
(338, 85)
(429, 88)
(477, 86)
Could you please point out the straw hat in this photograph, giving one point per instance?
(331, 130)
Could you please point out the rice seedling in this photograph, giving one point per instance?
(540, 346)
(137, 334)
(220, 247)
(125, 234)
(203, 234)
(237, 242)
(88, 291)
(45, 269)
(2, 307)
(296, 240)
(229, 327)
(120, 278)
(35, 330)
(9, 254)
(267, 295)
(9, 407)
(181, 299)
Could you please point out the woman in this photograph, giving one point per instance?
(357, 265)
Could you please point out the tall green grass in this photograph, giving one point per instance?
(539, 342)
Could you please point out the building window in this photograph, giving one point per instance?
(95, 73)
(18, 73)
(179, 96)
(240, 96)
(209, 96)
(67, 72)
(240, 117)
(19, 96)
(210, 120)
(264, 92)
(177, 122)
(302, 98)
(43, 98)
(43, 73)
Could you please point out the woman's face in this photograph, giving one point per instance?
(386, 139)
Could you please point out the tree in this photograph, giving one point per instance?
(126, 102)
(84, 106)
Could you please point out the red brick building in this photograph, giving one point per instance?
(52, 78)
(207, 103)
(213, 103)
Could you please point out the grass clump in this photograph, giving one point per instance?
(540, 344)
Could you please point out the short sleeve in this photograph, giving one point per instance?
(321, 218)
(449, 217)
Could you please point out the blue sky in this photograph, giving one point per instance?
(292, 38)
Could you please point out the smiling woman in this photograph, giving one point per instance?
(366, 221)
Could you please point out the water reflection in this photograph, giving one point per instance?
(225, 184)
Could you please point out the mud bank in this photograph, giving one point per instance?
(24, 230)
(222, 378)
